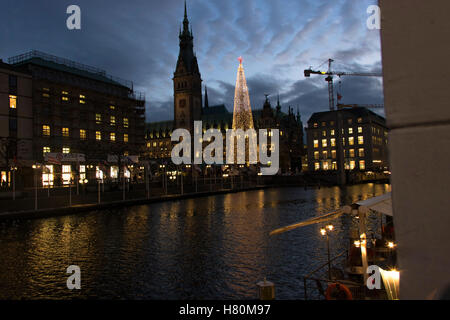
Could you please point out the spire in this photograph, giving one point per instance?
(278, 104)
(185, 21)
(186, 54)
(206, 97)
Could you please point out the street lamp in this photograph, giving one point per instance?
(324, 232)
(391, 245)
(35, 168)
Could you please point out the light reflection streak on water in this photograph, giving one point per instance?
(205, 248)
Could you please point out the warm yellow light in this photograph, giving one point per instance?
(330, 227)
(391, 281)
(357, 243)
(323, 231)
(390, 245)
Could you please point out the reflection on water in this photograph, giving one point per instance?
(207, 248)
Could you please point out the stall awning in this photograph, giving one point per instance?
(381, 204)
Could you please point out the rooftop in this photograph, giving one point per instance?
(69, 66)
(356, 111)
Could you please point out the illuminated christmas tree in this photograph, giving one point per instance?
(242, 114)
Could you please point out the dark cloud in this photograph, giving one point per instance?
(138, 40)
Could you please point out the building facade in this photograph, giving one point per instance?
(16, 122)
(83, 120)
(363, 140)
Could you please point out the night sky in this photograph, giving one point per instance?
(138, 40)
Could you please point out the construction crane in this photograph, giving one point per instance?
(330, 75)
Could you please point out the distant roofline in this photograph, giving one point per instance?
(351, 110)
(33, 54)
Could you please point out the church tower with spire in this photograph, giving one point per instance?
(187, 82)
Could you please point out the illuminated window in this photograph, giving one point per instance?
(65, 132)
(333, 154)
(48, 177)
(361, 153)
(82, 96)
(112, 120)
(112, 107)
(352, 153)
(359, 129)
(359, 120)
(343, 141)
(315, 125)
(12, 102)
(45, 130)
(114, 172)
(334, 165)
(316, 155)
(326, 166)
(332, 132)
(82, 99)
(333, 142)
(351, 141)
(66, 150)
(82, 172)
(350, 130)
(316, 143)
(46, 150)
(64, 92)
(362, 165)
(360, 140)
(352, 165)
(112, 136)
(64, 98)
(324, 143)
(66, 173)
(98, 135)
(125, 137)
(83, 134)
(98, 118)
(324, 124)
(46, 89)
(154, 144)
(317, 166)
(45, 95)
(325, 154)
(324, 133)
(350, 121)
(125, 122)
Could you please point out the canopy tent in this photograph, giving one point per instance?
(319, 219)
(381, 204)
